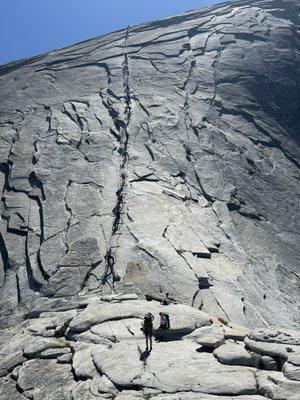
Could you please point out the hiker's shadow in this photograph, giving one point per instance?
(145, 355)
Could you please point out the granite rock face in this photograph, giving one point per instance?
(170, 146)
(162, 157)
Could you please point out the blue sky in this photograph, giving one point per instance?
(31, 27)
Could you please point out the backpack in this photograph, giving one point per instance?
(167, 319)
(148, 318)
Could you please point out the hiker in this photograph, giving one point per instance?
(147, 329)
(110, 260)
(164, 325)
(165, 300)
(120, 199)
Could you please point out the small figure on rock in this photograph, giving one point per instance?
(110, 260)
(165, 300)
(163, 327)
(147, 329)
(110, 269)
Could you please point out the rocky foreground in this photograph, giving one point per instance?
(160, 158)
(92, 348)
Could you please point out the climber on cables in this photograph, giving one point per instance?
(118, 210)
(109, 270)
(110, 261)
(147, 328)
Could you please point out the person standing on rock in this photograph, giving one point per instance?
(148, 329)
(164, 325)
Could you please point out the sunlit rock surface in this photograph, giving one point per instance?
(94, 349)
(162, 157)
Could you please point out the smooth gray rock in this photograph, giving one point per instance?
(285, 337)
(291, 371)
(38, 346)
(8, 390)
(274, 385)
(121, 363)
(65, 358)
(274, 343)
(235, 332)
(82, 362)
(294, 359)
(12, 343)
(81, 391)
(209, 337)
(184, 319)
(193, 371)
(162, 144)
(39, 378)
(102, 386)
(268, 363)
(56, 353)
(130, 328)
(234, 354)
